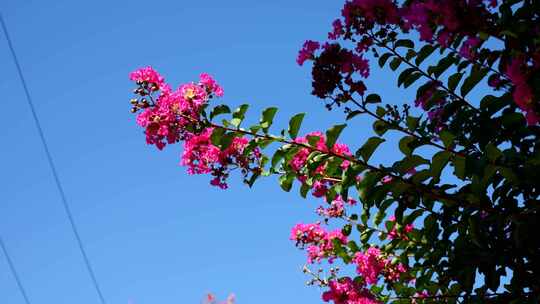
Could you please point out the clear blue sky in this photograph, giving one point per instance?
(154, 234)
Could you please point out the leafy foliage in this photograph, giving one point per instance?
(452, 220)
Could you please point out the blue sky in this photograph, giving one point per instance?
(153, 234)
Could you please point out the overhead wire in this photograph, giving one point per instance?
(51, 163)
(14, 271)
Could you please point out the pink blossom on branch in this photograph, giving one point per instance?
(318, 242)
(307, 51)
(346, 291)
(523, 95)
(372, 265)
(147, 74)
(298, 162)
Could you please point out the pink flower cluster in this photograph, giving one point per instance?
(166, 118)
(523, 95)
(307, 51)
(211, 299)
(175, 115)
(298, 162)
(468, 47)
(148, 74)
(201, 157)
(318, 242)
(336, 208)
(395, 234)
(419, 295)
(371, 265)
(370, 12)
(347, 291)
(444, 19)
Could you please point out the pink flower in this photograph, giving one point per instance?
(210, 84)
(522, 95)
(467, 49)
(336, 208)
(346, 291)
(307, 233)
(387, 179)
(394, 233)
(337, 30)
(200, 154)
(319, 189)
(419, 295)
(147, 74)
(298, 161)
(307, 51)
(175, 114)
(319, 243)
(369, 264)
(495, 82)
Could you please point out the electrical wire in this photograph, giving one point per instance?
(14, 272)
(51, 163)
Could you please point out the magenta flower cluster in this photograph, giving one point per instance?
(322, 183)
(436, 21)
(174, 115)
(318, 242)
(372, 265)
(347, 291)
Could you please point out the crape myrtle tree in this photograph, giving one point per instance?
(456, 224)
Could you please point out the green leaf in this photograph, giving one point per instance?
(394, 64)
(404, 75)
(421, 176)
(453, 81)
(409, 219)
(373, 98)
(366, 235)
(277, 157)
(459, 167)
(347, 230)
(406, 145)
(332, 135)
(477, 74)
(369, 147)
(239, 115)
(221, 109)
(380, 127)
(412, 122)
(304, 189)
(353, 114)
(380, 111)
(493, 153)
(424, 53)
(411, 53)
(404, 43)
(447, 138)
(439, 161)
(313, 140)
(411, 79)
(217, 135)
(268, 118)
(294, 124)
(384, 57)
(226, 140)
(285, 181)
(379, 217)
(410, 162)
(442, 65)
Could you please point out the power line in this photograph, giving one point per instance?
(51, 163)
(13, 271)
